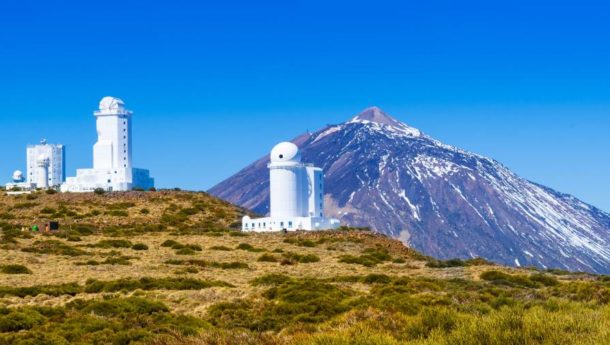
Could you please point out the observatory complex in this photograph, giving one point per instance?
(296, 195)
(112, 163)
(46, 164)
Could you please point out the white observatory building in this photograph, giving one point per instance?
(112, 154)
(296, 195)
(46, 164)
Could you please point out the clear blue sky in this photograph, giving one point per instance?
(214, 84)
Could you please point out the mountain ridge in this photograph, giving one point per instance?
(440, 199)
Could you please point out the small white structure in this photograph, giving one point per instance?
(112, 164)
(18, 182)
(46, 165)
(296, 195)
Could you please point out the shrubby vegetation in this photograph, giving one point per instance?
(15, 269)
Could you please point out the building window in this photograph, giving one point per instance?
(282, 224)
(290, 224)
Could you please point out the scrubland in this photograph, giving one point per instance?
(170, 268)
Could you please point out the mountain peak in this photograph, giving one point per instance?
(376, 115)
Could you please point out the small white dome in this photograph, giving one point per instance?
(17, 176)
(285, 152)
(111, 104)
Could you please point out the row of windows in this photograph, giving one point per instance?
(264, 225)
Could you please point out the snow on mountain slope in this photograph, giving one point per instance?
(437, 198)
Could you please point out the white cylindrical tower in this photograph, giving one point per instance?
(286, 181)
(113, 147)
(42, 164)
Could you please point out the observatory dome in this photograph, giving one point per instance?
(285, 152)
(111, 104)
(17, 176)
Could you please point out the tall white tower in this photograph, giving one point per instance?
(113, 147)
(296, 195)
(112, 164)
(286, 181)
(42, 164)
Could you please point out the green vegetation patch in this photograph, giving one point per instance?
(289, 302)
(249, 248)
(211, 264)
(109, 321)
(15, 269)
(128, 284)
(54, 247)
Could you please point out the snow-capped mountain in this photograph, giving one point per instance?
(441, 200)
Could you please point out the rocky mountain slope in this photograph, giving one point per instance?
(437, 198)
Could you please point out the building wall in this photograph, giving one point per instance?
(315, 179)
(113, 147)
(56, 155)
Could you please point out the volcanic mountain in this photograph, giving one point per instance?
(439, 199)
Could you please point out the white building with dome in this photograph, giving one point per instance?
(46, 164)
(296, 195)
(112, 154)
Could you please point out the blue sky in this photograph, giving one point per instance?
(215, 84)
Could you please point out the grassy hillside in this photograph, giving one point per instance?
(166, 268)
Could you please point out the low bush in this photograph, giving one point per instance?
(223, 248)
(128, 284)
(267, 258)
(249, 248)
(15, 269)
(139, 246)
(107, 321)
(54, 247)
(212, 264)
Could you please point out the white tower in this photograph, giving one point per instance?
(296, 195)
(42, 164)
(112, 164)
(113, 147)
(285, 177)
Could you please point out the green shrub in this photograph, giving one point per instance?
(501, 278)
(249, 248)
(169, 243)
(99, 191)
(377, 279)
(213, 264)
(128, 284)
(15, 269)
(139, 246)
(186, 251)
(53, 247)
(51, 290)
(223, 248)
(144, 211)
(271, 279)
(267, 258)
(48, 210)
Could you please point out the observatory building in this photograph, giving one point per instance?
(112, 164)
(296, 194)
(46, 164)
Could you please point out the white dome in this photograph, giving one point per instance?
(111, 104)
(17, 176)
(285, 152)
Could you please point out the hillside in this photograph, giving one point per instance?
(177, 275)
(438, 199)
